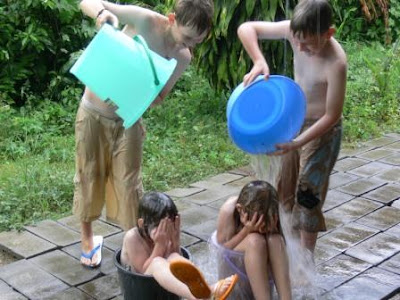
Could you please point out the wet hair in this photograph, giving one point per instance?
(311, 17)
(154, 207)
(195, 13)
(261, 197)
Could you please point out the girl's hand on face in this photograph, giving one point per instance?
(160, 235)
(176, 230)
(254, 224)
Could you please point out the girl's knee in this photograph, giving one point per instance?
(276, 240)
(256, 241)
(174, 256)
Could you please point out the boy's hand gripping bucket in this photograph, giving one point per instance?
(124, 70)
(265, 113)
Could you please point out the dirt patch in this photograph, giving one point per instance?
(6, 258)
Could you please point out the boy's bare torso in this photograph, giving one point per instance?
(311, 73)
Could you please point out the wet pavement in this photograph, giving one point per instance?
(357, 258)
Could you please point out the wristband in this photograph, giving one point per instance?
(100, 12)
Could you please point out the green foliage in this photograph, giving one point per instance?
(187, 137)
(186, 141)
(37, 38)
(354, 24)
(222, 56)
(372, 104)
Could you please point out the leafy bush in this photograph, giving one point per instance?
(222, 56)
(37, 39)
(372, 104)
(377, 20)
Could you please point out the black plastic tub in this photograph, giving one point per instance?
(136, 286)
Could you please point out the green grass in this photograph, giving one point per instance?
(186, 137)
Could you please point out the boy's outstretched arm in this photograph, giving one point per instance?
(249, 33)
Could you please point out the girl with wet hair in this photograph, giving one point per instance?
(153, 208)
(249, 242)
(153, 248)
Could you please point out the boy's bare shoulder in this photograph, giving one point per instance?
(339, 55)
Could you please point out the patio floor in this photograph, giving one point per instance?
(359, 255)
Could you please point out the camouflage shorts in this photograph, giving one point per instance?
(304, 180)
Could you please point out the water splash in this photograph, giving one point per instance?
(301, 265)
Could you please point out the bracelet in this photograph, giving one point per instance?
(100, 12)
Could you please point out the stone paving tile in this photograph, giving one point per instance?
(30, 280)
(7, 292)
(245, 171)
(323, 253)
(376, 154)
(392, 264)
(347, 236)
(362, 186)
(99, 227)
(338, 270)
(381, 219)
(382, 141)
(64, 267)
(349, 152)
(184, 192)
(394, 146)
(349, 163)
(376, 249)
(217, 180)
(107, 261)
(203, 230)
(396, 204)
(370, 169)
(394, 297)
(212, 195)
(395, 231)
(241, 182)
(393, 159)
(341, 178)
(187, 239)
(335, 198)
(197, 215)
(372, 284)
(70, 294)
(102, 288)
(114, 242)
(24, 244)
(54, 232)
(392, 175)
(332, 222)
(384, 194)
(217, 204)
(352, 210)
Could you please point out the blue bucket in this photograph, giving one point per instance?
(265, 113)
(124, 70)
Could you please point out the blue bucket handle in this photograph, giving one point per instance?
(141, 41)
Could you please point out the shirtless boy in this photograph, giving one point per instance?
(320, 68)
(106, 151)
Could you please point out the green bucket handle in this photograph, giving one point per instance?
(141, 41)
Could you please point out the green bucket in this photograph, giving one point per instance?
(123, 70)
